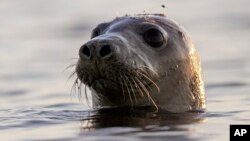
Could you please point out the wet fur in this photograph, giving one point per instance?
(169, 79)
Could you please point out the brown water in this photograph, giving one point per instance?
(39, 38)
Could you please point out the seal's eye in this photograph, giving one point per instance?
(153, 37)
(95, 32)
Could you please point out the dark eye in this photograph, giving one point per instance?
(153, 37)
(95, 32)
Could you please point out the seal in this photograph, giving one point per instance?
(142, 60)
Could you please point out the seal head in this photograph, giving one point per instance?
(144, 60)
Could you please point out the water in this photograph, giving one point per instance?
(38, 40)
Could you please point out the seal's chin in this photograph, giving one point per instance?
(102, 85)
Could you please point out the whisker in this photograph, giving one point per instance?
(86, 95)
(145, 82)
(70, 66)
(73, 88)
(145, 76)
(146, 91)
(121, 80)
(138, 88)
(132, 88)
(150, 69)
(80, 91)
(128, 92)
(144, 71)
(137, 79)
(71, 75)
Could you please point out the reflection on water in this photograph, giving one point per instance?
(38, 40)
(137, 117)
(140, 122)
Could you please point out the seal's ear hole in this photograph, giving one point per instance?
(154, 37)
(95, 32)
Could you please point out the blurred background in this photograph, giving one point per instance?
(40, 38)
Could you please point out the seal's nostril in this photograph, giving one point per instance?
(105, 50)
(85, 50)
